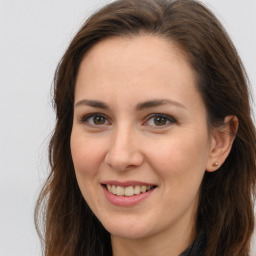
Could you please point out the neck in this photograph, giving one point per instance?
(168, 243)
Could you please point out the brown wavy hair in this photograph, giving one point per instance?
(225, 209)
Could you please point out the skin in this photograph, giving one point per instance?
(127, 144)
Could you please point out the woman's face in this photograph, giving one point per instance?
(140, 143)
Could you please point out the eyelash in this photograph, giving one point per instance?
(169, 120)
(166, 118)
(85, 118)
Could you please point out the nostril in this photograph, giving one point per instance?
(123, 160)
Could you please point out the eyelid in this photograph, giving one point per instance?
(84, 119)
(170, 119)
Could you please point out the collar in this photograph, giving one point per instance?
(198, 246)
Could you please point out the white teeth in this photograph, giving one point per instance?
(137, 190)
(109, 188)
(113, 189)
(128, 191)
(120, 191)
(143, 189)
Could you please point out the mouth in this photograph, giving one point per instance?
(128, 191)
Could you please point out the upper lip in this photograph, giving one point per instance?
(126, 183)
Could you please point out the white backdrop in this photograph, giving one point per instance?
(33, 37)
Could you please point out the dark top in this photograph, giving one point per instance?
(198, 247)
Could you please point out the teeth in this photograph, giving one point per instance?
(119, 191)
(113, 189)
(143, 189)
(128, 191)
(137, 190)
(109, 188)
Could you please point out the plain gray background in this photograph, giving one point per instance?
(33, 37)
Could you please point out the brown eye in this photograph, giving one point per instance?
(99, 120)
(159, 120)
(95, 120)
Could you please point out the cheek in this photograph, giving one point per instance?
(86, 154)
(180, 158)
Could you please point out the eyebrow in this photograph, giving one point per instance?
(139, 106)
(157, 103)
(92, 103)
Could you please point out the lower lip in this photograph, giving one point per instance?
(126, 201)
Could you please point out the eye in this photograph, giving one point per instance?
(95, 119)
(159, 120)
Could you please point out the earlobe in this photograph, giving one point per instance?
(221, 144)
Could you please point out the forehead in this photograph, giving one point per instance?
(139, 66)
(133, 49)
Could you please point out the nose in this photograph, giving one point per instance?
(123, 152)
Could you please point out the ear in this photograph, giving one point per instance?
(221, 143)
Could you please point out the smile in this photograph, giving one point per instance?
(127, 194)
(129, 190)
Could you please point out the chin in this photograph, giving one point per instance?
(128, 234)
(129, 229)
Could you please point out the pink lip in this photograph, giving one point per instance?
(126, 201)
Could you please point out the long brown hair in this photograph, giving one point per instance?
(225, 209)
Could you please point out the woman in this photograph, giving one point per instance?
(154, 147)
